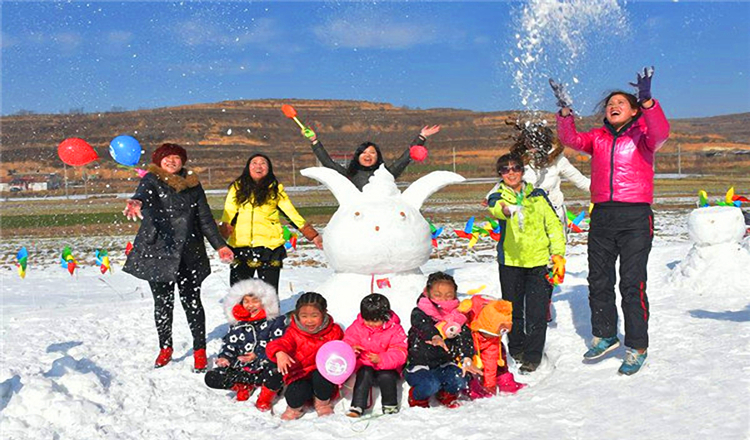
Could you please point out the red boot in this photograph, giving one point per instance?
(448, 400)
(265, 400)
(425, 403)
(165, 355)
(243, 391)
(201, 363)
(506, 383)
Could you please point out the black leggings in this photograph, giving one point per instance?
(190, 297)
(301, 391)
(225, 378)
(366, 378)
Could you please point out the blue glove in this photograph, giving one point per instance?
(643, 84)
(563, 97)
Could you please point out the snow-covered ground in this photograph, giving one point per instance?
(78, 351)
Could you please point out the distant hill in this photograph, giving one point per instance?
(220, 136)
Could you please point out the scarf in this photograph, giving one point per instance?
(442, 310)
(241, 314)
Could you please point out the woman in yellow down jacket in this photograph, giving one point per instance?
(252, 225)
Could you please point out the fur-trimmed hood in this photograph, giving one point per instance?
(177, 182)
(257, 288)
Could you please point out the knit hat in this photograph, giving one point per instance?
(168, 150)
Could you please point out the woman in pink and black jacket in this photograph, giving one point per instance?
(622, 223)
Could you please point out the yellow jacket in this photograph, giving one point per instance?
(260, 225)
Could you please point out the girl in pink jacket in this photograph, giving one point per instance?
(380, 344)
(622, 223)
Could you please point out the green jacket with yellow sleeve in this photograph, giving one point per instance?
(530, 236)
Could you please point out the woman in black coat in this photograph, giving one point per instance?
(169, 249)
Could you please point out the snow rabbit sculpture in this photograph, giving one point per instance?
(378, 230)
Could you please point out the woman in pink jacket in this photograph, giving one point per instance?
(622, 223)
(380, 344)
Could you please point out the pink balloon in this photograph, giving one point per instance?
(335, 361)
(418, 153)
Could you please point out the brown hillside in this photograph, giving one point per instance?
(220, 136)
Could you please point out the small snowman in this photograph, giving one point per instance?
(717, 233)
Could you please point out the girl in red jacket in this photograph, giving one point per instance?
(380, 343)
(294, 353)
(622, 223)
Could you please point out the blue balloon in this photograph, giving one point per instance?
(125, 150)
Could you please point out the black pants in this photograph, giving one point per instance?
(627, 232)
(530, 293)
(225, 378)
(242, 272)
(264, 262)
(190, 297)
(366, 378)
(299, 392)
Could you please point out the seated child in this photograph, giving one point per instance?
(252, 309)
(431, 367)
(294, 353)
(532, 238)
(489, 319)
(380, 344)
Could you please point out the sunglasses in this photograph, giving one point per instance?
(514, 168)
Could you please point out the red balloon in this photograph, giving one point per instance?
(76, 152)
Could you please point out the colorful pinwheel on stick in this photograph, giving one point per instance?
(702, 199)
(290, 238)
(67, 261)
(21, 261)
(469, 232)
(574, 221)
(493, 228)
(435, 233)
(732, 199)
(102, 260)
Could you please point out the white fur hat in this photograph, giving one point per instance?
(257, 288)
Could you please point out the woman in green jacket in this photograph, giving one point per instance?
(532, 237)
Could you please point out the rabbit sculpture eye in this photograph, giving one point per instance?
(364, 236)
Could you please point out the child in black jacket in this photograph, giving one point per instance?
(437, 365)
(252, 309)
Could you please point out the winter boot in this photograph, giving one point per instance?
(447, 399)
(265, 399)
(390, 409)
(506, 383)
(600, 347)
(292, 413)
(528, 367)
(323, 407)
(165, 355)
(201, 363)
(425, 403)
(243, 391)
(478, 390)
(633, 362)
(354, 412)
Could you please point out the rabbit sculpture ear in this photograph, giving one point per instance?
(425, 186)
(341, 187)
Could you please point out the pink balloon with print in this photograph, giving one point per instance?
(335, 361)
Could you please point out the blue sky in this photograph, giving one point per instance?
(58, 56)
